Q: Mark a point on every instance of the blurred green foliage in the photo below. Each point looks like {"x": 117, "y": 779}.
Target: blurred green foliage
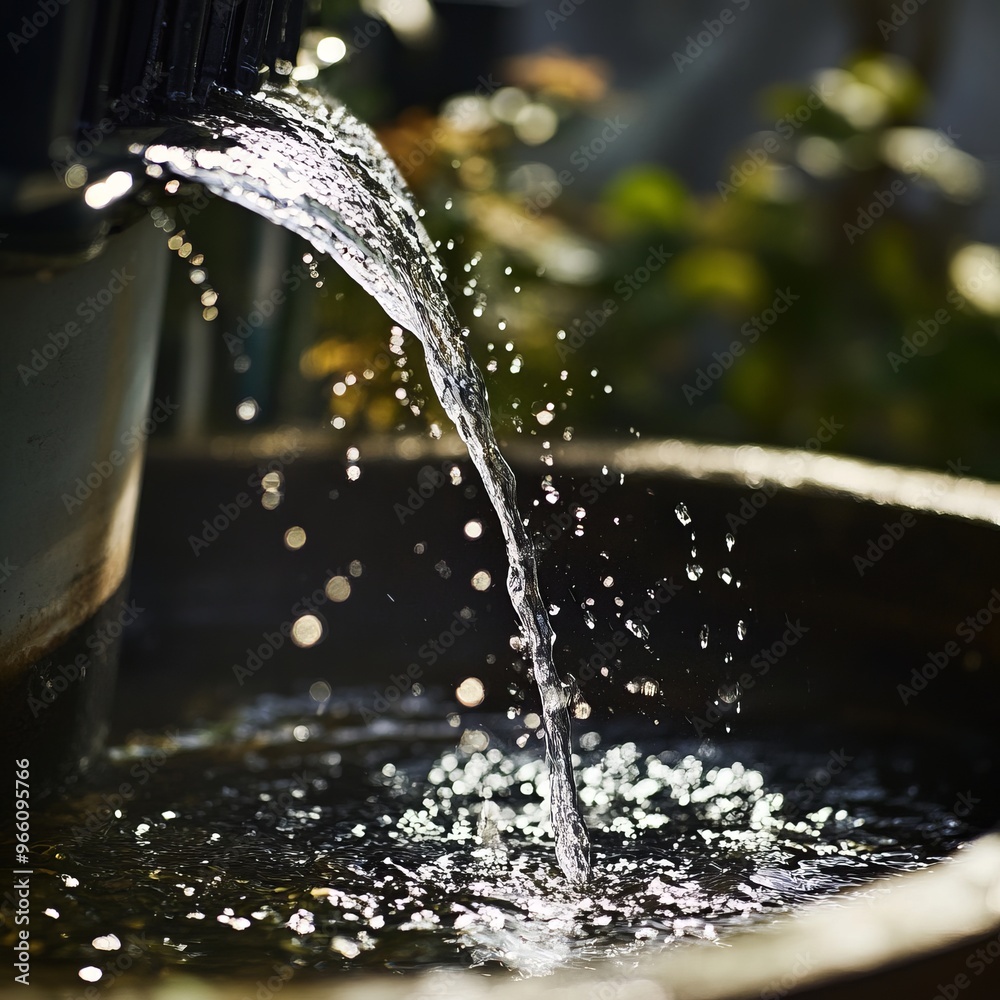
{"x": 840, "y": 206}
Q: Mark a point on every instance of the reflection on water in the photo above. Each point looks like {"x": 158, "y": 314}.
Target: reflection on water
{"x": 315, "y": 843}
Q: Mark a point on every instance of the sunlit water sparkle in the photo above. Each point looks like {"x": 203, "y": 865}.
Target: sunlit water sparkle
{"x": 317, "y": 841}
{"x": 307, "y": 164}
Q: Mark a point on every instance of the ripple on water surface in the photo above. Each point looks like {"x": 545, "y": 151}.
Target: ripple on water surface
{"x": 287, "y": 838}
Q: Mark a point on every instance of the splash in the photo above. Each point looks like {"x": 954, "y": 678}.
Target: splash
{"x": 308, "y": 165}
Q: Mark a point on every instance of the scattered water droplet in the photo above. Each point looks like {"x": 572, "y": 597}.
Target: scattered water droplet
{"x": 703, "y": 637}
{"x": 729, "y": 693}
{"x": 682, "y": 514}
{"x": 338, "y": 589}
{"x": 295, "y": 538}
{"x": 638, "y": 629}
{"x": 646, "y": 686}
{"x": 307, "y": 631}
{"x": 470, "y": 692}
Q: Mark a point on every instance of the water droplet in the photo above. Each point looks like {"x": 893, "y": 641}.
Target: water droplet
{"x": 682, "y": 514}
{"x": 637, "y": 629}
{"x": 247, "y": 409}
{"x": 694, "y": 571}
{"x": 470, "y": 692}
{"x": 730, "y": 542}
{"x": 307, "y": 631}
{"x": 703, "y": 637}
{"x": 646, "y": 686}
{"x": 725, "y": 575}
{"x": 295, "y": 537}
{"x": 320, "y": 691}
{"x": 482, "y": 580}
{"x": 473, "y": 529}
{"x": 741, "y": 630}
{"x": 729, "y": 693}
{"x": 338, "y": 589}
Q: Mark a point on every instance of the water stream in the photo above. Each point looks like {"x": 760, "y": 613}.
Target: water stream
{"x": 307, "y": 164}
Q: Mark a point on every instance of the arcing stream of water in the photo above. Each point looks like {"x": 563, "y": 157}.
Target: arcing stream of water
{"x": 308, "y": 165}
